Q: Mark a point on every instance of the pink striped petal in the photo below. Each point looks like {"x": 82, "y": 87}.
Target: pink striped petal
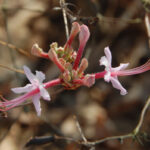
{"x": 40, "y": 76}
{"x": 24, "y": 89}
{"x": 116, "y": 84}
{"x": 121, "y": 67}
{"x": 44, "y": 93}
{"x": 108, "y": 55}
{"x": 31, "y": 77}
{"x": 104, "y": 61}
{"x": 36, "y": 102}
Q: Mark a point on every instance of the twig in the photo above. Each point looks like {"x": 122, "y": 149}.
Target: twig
{"x": 79, "y": 129}
{"x": 146, "y": 5}
{"x": 147, "y": 24}
{"x": 62, "y": 4}
{"x": 130, "y": 135}
{"x": 10, "y": 46}
{"x": 102, "y": 18}
{"x": 12, "y": 69}
{"x": 137, "y": 129}
{"x": 133, "y": 135}
{"x": 82, "y": 134}
{"x": 15, "y": 48}
{"x": 12, "y": 55}
{"x": 120, "y": 137}
{"x": 40, "y": 140}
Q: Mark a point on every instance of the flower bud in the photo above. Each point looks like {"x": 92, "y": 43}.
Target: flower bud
{"x": 53, "y": 56}
{"x": 54, "y": 45}
{"x": 36, "y": 50}
{"x": 66, "y": 76}
{"x": 83, "y": 66}
{"x": 89, "y": 80}
{"x": 74, "y": 31}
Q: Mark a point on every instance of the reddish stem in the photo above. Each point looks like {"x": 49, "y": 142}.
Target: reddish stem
{"x": 58, "y": 64}
{"x": 100, "y": 75}
{"x": 79, "y": 55}
{"x": 15, "y": 102}
{"x": 52, "y": 83}
{"x": 44, "y": 55}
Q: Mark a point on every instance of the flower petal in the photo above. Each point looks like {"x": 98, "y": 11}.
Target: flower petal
{"x": 108, "y": 55}
{"x": 104, "y": 61}
{"x": 107, "y": 76}
{"x": 121, "y": 67}
{"x": 24, "y": 89}
{"x": 116, "y": 84}
{"x": 40, "y": 76}
{"x": 31, "y": 77}
{"x": 44, "y": 93}
{"x": 36, "y": 102}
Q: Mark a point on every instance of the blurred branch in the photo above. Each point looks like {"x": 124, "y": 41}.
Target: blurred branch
{"x": 81, "y": 133}
{"x": 137, "y": 129}
{"x": 48, "y": 139}
{"x": 111, "y": 20}
{"x": 147, "y": 24}
{"x": 40, "y": 140}
{"x": 135, "y": 134}
{"x": 12, "y": 55}
{"x": 146, "y": 4}
{"x": 12, "y": 69}
{"x": 63, "y": 6}
{"x": 79, "y": 129}
{"x": 11, "y": 46}
{"x": 91, "y": 20}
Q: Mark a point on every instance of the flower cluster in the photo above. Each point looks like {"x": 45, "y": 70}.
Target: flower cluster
{"x": 72, "y": 69}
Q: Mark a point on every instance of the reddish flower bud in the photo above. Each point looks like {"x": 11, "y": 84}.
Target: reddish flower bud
{"x": 83, "y": 37}
{"x": 83, "y": 66}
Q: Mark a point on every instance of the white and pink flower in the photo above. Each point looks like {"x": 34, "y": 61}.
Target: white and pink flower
{"x": 106, "y": 61}
{"x": 36, "y": 82}
{"x": 111, "y": 74}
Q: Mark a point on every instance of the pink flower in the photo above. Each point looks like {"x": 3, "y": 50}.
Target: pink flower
{"x": 36, "y": 82}
{"x": 110, "y": 75}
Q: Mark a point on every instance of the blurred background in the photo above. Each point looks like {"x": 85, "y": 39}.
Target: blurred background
{"x": 101, "y": 110}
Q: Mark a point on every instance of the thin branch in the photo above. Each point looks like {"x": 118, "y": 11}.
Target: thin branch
{"x": 120, "y": 138}
{"x": 129, "y": 135}
{"x": 146, "y": 5}
{"x": 12, "y": 69}
{"x": 134, "y": 135}
{"x": 12, "y": 55}
{"x": 11, "y": 46}
{"x": 137, "y": 129}
{"x": 62, "y": 4}
{"x": 79, "y": 129}
{"x": 40, "y": 140}
{"x": 147, "y": 24}
{"x": 82, "y": 134}
{"x": 102, "y": 18}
